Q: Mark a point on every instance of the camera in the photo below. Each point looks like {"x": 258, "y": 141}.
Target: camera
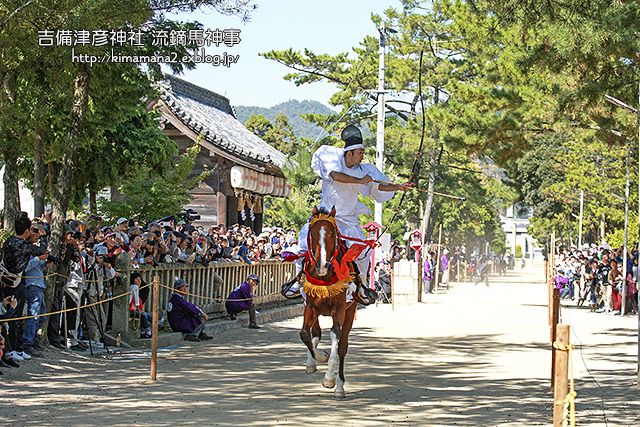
{"x": 54, "y": 259}
{"x": 188, "y": 215}
{"x": 153, "y": 261}
{"x": 157, "y": 233}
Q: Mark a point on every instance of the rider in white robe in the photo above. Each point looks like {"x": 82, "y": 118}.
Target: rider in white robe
{"x": 344, "y": 177}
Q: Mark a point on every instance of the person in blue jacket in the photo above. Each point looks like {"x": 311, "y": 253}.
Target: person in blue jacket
{"x": 184, "y": 316}
{"x": 241, "y": 299}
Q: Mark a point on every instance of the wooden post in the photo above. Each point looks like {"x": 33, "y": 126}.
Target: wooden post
{"x": 448, "y": 274}
{"x": 466, "y": 268}
{"x": 546, "y": 270}
{"x": 554, "y": 324}
{"x": 154, "y": 327}
{"x": 550, "y": 281}
{"x": 438, "y": 259}
{"x": 561, "y": 388}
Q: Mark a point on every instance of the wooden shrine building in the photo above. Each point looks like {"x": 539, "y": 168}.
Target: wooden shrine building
{"x": 227, "y": 147}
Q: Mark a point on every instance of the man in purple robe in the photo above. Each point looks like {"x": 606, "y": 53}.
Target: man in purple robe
{"x": 184, "y": 316}
{"x": 241, "y": 299}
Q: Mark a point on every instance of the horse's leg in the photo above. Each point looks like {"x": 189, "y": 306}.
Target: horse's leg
{"x": 329, "y": 380}
{"x": 310, "y": 320}
{"x": 343, "y": 346}
{"x": 316, "y": 334}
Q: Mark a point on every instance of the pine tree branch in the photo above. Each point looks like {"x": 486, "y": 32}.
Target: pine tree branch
{"x": 12, "y": 14}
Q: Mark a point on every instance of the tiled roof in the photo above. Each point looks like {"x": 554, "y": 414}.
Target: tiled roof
{"x": 207, "y": 112}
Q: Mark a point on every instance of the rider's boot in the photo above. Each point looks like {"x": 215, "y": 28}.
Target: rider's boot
{"x": 364, "y": 295}
{"x": 291, "y": 289}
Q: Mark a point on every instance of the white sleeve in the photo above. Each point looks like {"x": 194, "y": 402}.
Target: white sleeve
{"x": 327, "y": 159}
{"x": 371, "y": 189}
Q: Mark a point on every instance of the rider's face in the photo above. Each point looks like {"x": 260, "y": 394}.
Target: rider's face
{"x": 356, "y": 155}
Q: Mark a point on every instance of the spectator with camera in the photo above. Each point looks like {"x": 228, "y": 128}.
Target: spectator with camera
{"x": 184, "y": 251}
{"x": 137, "y": 253}
{"x": 62, "y": 271}
{"x": 245, "y": 248}
{"x": 112, "y": 246}
{"x": 74, "y": 290}
{"x": 16, "y": 254}
{"x": 34, "y": 292}
{"x": 121, "y": 231}
{"x": 99, "y": 276}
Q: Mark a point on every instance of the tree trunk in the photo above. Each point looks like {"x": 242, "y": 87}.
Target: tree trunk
{"x": 62, "y": 190}
{"x": 11, "y": 191}
{"x": 434, "y": 160}
{"x": 52, "y": 173}
{"x": 93, "y": 203}
{"x": 38, "y": 176}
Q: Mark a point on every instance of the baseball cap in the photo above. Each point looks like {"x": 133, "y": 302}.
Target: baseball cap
{"x": 178, "y": 283}
{"x": 121, "y": 220}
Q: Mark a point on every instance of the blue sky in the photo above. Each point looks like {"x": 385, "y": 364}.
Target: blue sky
{"x": 329, "y": 26}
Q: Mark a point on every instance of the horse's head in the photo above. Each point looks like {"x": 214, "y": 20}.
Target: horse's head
{"x": 323, "y": 240}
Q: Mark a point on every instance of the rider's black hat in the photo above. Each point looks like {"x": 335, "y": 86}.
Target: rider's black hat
{"x": 352, "y": 138}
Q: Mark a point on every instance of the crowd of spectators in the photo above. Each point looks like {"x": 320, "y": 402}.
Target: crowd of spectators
{"x": 85, "y": 273}
{"x": 595, "y": 275}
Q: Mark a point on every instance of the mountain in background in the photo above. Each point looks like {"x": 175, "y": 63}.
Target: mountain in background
{"x": 292, "y": 109}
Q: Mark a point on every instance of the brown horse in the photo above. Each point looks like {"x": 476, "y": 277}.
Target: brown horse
{"x": 326, "y": 281}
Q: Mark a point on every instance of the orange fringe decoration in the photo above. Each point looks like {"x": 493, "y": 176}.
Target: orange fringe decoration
{"x": 320, "y": 291}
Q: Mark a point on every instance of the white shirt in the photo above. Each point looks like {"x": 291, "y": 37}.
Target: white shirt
{"x": 344, "y": 196}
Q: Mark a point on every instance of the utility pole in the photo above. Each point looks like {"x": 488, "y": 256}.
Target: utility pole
{"x": 377, "y": 216}
{"x": 625, "y": 259}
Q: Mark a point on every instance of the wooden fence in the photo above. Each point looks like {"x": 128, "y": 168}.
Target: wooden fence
{"x": 273, "y": 274}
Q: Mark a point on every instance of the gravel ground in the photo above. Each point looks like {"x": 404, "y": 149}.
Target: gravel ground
{"x": 469, "y": 356}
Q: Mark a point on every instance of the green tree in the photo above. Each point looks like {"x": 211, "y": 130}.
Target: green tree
{"x": 293, "y": 212}
{"x": 149, "y": 195}
{"x": 279, "y": 134}
{"x": 518, "y": 253}
{"x": 424, "y": 63}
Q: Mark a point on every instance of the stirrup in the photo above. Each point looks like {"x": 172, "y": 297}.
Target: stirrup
{"x": 287, "y": 286}
{"x": 370, "y": 296}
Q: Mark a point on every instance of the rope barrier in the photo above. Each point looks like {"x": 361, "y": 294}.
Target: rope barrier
{"x": 74, "y": 308}
{"x": 219, "y": 299}
{"x": 14, "y": 276}
{"x": 569, "y": 402}
{"x": 116, "y": 297}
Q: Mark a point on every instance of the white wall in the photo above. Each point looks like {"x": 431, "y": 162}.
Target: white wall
{"x": 26, "y": 198}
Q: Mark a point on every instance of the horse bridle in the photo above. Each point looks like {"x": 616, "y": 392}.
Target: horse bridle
{"x": 332, "y": 220}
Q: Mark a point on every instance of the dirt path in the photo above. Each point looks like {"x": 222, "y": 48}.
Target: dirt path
{"x": 470, "y": 356}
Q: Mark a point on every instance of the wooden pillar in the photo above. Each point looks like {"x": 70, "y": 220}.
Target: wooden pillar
{"x": 120, "y": 322}
{"x": 222, "y": 208}
{"x": 154, "y": 327}
{"x": 561, "y": 379}
{"x": 437, "y": 277}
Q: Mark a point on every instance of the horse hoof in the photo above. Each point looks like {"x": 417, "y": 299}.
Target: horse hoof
{"x": 339, "y": 394}
{"x": 311, "y": 369}
{"x": 328, "y": 383}
{"x": 324, "y": 357}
